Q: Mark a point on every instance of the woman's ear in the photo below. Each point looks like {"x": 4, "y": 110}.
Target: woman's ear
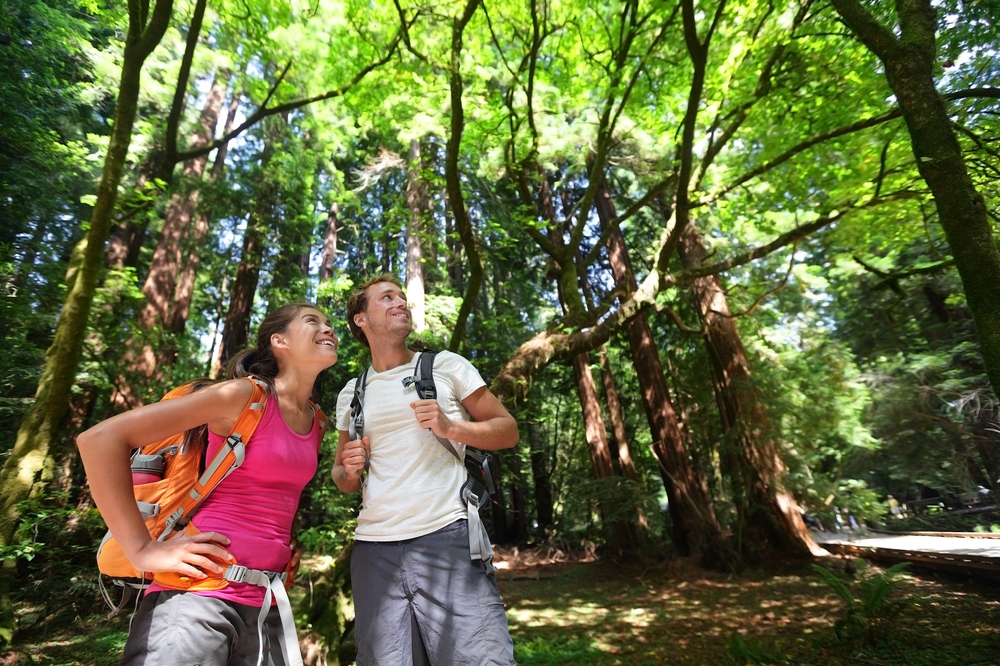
{"x": 278, "y": 341}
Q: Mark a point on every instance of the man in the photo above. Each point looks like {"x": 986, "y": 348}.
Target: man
{"x": 419, "y": 597}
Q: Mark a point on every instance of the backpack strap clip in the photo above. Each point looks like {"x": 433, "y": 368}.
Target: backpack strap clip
{"x": 273, "y": 584}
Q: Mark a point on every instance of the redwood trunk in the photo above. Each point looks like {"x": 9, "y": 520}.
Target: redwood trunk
{"x": 177, "y": 313}
{"x": 166, "y": 261}
{"x": 330, "y": 242}
{"x": 542, "y": 479}
{"x": 418, "y": 202}
{"x": 696, "y": 530}
{"x": 237, "y": 328}
{"x": 617, "y": 417}
{"x": 625, "y": 464}
{"x": 750, "y": 457}
{"x": 619, "y": 534}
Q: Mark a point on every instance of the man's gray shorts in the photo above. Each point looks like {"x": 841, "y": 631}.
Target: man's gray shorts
{"x": 184, "y": 629}
{"x": 424, "y": 601}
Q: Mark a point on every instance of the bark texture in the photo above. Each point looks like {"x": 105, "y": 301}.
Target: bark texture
{"x": 750, "y": 456}
{"x": 177, "y": 312}
{"x": 620, "y": 536}
{"x": 418, "y": 201}
{"x": 623, "y": 452}
{"x": 236, "y": 332}
{"x": 696, "y": 530}
{"x": 330, "y": 239}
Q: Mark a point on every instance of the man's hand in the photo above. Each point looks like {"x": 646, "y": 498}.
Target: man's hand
{"x": 356, "y": 454}
{"x": 187, "y": 555}
{"x": 430, "y": 417}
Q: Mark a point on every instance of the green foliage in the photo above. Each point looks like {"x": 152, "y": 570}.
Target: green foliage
{"x": 859, "y": 342}
{"x": 553, "y": 651}
{"x": 54, "y": 551}
{"x": 869, "y": 608}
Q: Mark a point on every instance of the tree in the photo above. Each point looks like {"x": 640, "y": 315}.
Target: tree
{"x": 910, "y": 61}
{"x": 30, "y": 460}
{"x": 752, "y": 460}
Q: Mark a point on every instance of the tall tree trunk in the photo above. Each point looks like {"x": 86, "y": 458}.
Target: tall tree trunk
{"x": 166, "y": 261}
{"x": 696, "y": 530}
{"x": 620, "y": 536}
{"x": 750, "y": 457}
{"x": 617, "y": 417}
{"x": 180, "y": 307}
{"x": 237, "y": 329}
{"x": 418, "y": 201}
{"x": 28, "y": 467}
{"x": 909, "y": 62}
{"x": 454, "y": 262}
{"x": 614, "y": 515}
{"x": 542, "y": 479}
{"x": 626, "y": 466}
{"x": 330, "y": 242}
{"x": 453, "y": 180}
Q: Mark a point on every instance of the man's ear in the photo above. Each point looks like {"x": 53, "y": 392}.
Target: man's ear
{"x": 360, "y": 319}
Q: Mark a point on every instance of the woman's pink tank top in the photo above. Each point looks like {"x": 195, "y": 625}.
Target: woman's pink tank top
{"x": 256, "y": 504}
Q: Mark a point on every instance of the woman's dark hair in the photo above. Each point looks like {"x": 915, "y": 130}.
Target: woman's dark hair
{"x": 260, "y": 361}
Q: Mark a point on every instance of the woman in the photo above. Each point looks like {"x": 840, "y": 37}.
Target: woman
{"x": 249, "y": 515}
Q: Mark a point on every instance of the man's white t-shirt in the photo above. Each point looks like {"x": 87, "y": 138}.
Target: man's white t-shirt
{"x": 413, "y": 482}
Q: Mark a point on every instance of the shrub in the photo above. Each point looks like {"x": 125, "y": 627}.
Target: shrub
{"x": 869, "y": 615}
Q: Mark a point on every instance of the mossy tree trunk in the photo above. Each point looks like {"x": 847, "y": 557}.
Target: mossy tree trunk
{"x": 29, "y": 466}
{"x": 909, "y": 61}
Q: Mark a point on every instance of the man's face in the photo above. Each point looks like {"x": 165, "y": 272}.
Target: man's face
{"x": 386, "y": 314}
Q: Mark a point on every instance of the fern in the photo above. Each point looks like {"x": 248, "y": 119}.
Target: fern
{"x": 869, "y": 614}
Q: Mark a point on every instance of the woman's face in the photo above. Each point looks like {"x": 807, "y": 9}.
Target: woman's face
{"x": 309, "y": 339}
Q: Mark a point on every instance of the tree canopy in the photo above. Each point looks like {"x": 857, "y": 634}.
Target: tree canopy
{"x": 722, "y": 259}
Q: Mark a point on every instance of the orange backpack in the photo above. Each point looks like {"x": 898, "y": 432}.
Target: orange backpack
{"x": 168, "y": 503}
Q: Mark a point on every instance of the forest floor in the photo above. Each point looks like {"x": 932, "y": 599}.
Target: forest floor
{"x": 580, "y": 610}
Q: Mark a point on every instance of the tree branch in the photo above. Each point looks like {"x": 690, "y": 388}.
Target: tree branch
{"x": 453, "y": 181}
{"x": 872, "y": 34}
{"x": 264, "y": 112}
{"x": 180, "y": 92}
{"x": 795, "y": 150}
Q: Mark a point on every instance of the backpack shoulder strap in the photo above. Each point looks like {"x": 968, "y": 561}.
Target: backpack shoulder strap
{"x": 424, "y": 375}
{"x": 229, "y": 457}
{"x": 427, "y": 390}
{"x": 321, "y": 422}
{"x": 356, "y": 429}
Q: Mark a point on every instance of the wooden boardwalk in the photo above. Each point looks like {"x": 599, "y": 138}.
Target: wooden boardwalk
{"x": 956, "y": 551}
